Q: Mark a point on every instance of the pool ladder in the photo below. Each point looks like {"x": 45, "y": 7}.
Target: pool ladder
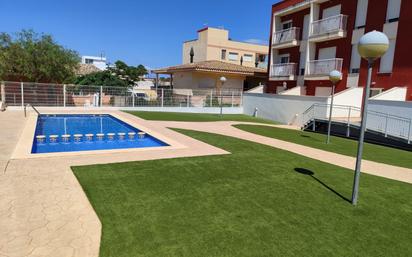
{"x": 34, "y": 108}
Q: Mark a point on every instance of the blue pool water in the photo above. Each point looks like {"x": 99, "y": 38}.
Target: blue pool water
{"x": 87, "y": 124}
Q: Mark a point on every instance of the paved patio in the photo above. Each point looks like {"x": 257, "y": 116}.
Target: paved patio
{"x": 44, "y": 211}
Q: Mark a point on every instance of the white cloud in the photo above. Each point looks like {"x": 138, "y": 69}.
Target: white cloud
{"x": 256, "y": 41}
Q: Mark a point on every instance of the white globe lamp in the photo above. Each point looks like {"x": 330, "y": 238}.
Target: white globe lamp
{"x": 373, "y": 45}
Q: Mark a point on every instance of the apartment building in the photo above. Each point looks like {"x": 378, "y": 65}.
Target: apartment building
{"x": 310, "y": 38}
{"x": 99, "y": 62}
{"x": 214, "y": 44}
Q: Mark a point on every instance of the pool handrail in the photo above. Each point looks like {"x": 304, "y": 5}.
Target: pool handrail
{"x": 34, "y": 108}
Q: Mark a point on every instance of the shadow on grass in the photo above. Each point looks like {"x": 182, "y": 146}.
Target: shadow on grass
{"x": 311, "y": 174}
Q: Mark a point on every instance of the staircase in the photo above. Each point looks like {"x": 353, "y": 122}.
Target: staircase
{"x": 381, "y": 127}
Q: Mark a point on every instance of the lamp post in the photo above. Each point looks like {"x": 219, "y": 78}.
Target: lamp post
{"x": 371, "y": 46}
{"x": 222, "y": 80}
{"x": 335, "y": 76}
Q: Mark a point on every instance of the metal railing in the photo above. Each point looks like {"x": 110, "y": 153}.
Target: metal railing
{"x": 324, "y": 67}
{"x": 387, "y": 124}
{"x": 285, "y": 36}
{"x": 329, "y": 25}
{"x": 57, "y": 95}
{"x": 34, "y": 108}
{"x": 283, "y": 69}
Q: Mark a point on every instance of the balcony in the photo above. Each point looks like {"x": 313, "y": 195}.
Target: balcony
{"x": 320, "y": 69}
{"x": 283, "y": 71}
{"x": 328, "y": 29}
{"x": 286, "y": 38}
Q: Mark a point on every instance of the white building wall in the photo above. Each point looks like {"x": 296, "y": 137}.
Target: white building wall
{"x": 294, "y": 91}
{"x": 286, "y": 109}
{"x": 393, "y": 94}
{"x": 98, "y": 62}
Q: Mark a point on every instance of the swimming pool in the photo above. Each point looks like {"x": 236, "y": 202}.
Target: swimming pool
{"x": 72, "y": 133}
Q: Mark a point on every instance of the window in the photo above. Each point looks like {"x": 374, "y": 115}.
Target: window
{"x": 361, "y": 13}
{"x": 394, "y": 9}
{"x": 248, "y": 58}
{"x": 284, "y": 58}
{"x": 261, "y": 57}
{"x": 88, "y": 61}
{"x": 331, "y": 11}
{"x": 355, "y": 60}
{"x": 388, "y": 58}
{"x": 233, "y": 56}
{"x": 223, "y": 56}
{"x": 286, "y": 25}
{"x": 327, "y": 53}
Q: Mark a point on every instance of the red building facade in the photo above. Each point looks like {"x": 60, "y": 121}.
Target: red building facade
{"x": 310, "y": 38}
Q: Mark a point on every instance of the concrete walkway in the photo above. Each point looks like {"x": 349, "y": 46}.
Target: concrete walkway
{"x": 44, "y": 211}
{"x": 226, "y": 129}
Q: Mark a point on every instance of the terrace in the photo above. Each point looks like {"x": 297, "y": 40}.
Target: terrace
{"x": 203, "y": 198}
{"x": 328, "y": 29}
{"x": 283, "y": 71}
{"x": 320, "y": 69}
{"x": 286, "y": 38}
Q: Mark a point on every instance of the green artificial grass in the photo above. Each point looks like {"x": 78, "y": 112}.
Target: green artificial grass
{"x": 198, "y": 117}
{"x": 258, "y": 201}
{"x": 339, "y": 145}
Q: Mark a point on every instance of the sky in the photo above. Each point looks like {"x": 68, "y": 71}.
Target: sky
{"x": 138, "y": 32}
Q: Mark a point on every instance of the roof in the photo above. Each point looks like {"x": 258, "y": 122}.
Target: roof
{"x": 213, "y": 66}
{"x": 84, "y": 69}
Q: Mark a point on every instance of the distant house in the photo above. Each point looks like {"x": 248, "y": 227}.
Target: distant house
{"x": 213, "y": 55}
{"x": 214, "y": 44}
{"x": 207, "y": 74}
{"x": 99, "y": 62}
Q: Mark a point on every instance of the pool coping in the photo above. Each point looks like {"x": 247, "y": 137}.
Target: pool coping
{"x": 25, "y": 143}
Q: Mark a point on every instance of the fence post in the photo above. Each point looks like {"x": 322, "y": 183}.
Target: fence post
{"x": 133, "y": 99}
{"x": 22, "y": 93}
{"x": 163, "y": 95}
{"x": 64, "y": 95}
{"x": 386, "y": 125}
{"x": 348, "y": 128}
{"x": 314, "y": 119}
{"x": 241, "y": 99}
{"x": 101, "y": 96}
{"x": 232, "y": 98}
{"x": 188, "y": 99}
{"x": 410, "y": 130}
{"x": 3, "y": 93}
{"x": 211, "y": 98}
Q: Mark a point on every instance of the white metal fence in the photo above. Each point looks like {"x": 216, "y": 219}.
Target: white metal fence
{"x": 283, "y": 69}
{"x": 329, "y": 25}
{"x": 285, "y": 36}
{"x": 324, "y": 67}
{"x": 57, "y": 95}
{"x": 389, "y": 125}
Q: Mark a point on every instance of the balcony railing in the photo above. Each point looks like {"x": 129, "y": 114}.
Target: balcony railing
{"x": 329, "y": 25}
{"x": 283, "y": 70}
{"x": 324, "y": 67}
{"x": 285, "y": 36}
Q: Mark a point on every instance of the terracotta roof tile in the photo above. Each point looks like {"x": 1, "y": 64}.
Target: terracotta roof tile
{"x": 212, "y": 66}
